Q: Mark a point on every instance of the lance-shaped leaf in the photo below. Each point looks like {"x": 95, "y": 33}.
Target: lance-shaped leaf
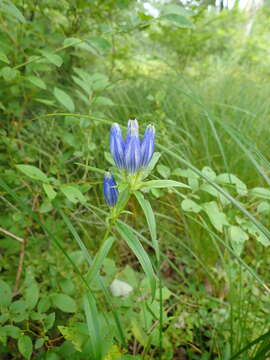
{"x": 137, "y": 248}
{"x": 99, "y": 258}
{"x": 150, "y": 218}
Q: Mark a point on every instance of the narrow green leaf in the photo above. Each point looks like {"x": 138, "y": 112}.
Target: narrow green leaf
{"x": 163, "y": 184}
{"x": 33, "y": 172}
{"x": 140, "y": 253}
{"x": 49, "y": 191}
{"x": 64, "y": 99}
{"x": 92, "y": 319}
{"x": 37, "y": 82}
{"x": 100, "y": 171}
{"x": 150, "y": 218}
{"x": 99, "y": 258}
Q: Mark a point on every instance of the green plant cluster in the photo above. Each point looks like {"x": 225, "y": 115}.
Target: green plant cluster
{"x": 68, "y": 70}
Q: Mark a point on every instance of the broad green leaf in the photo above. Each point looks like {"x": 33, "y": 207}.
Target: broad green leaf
{"x": 46, "y": 206}
{"x": 217, "y": 217}
{"x": 53, "y": 58}
{"x": 241, "y": 188}
{"x": 67, "y": 286}
{"x": 10, "y": 330}
{"x": 73, "y": 335}
{"x": 64, "y": 99}
{"x": 139, "y": 252}
{"x": 209, "y": 173}
{"x": 102, "y": 100}
{"x": 238, "y": 237}
{"x": 73, "y": 194}
{"x": 190, "y": 206}
{"x": 18, "y": 306}
{"x": 9, "y": 8}
{"x": 33, "y": 172}
{"x": 256, "y": 233}
{"x": 39, "y": 343}
{"x": 37, "y": 82}
{"x": 25, "y": 346}
{"x": 101, "y": 44}
{"x": 49, "y": 191}
{"x": 178, "y": 20}
{"x": 9, "y": 73}
{"x": 214, "y": 192}
{"x": 99, "y": 258}
{"x": 175, "y": 9}
{"x": 44, "y": 304}
{"x": 32, "y": 295}
{"x": 163, "y": 184}
{"x": 5, "y": 293}
{"x": 72, "y": 41}
{"x": 150, "y": 218}
{"x": 49, "y": 321}
{"x": 263, "y": 207}
{"x": 3, "y": 57}
{"x": 86, "y": 86}
{"x": 164, "y": 171}
{"x": 261, "y": 193}
{"x": 64, "y": 302}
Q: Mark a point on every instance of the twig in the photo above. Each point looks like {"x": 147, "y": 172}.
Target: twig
{"x": 20, "y": 267}
{"x": 7, "y": 233}
{"x": 21, "y": 259}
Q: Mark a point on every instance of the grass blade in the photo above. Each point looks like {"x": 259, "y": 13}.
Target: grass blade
{"x": 140, "y": 253}
{"x": 99, "y": 258}
{"x": 150, "y": 218}
{"x": 92, "y": 319}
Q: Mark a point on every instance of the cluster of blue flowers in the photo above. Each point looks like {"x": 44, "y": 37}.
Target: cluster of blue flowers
{"x": 131, "y": 155}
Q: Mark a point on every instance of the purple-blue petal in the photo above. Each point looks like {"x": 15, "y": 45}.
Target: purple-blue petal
{"x": 117, "y": 146}
{"x": 147, "y": 145}
{"x": 110, "y": 189}
{"x": 133, "y": 154}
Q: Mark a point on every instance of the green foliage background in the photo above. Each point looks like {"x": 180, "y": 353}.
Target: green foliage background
{"x": 68, "y": 69}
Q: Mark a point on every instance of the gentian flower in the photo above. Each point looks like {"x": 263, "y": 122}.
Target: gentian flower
{"x": 117, "y": 146}
{"x": 110, "y": 190}
{"x": 147, "y": 145}
{"x": 132, "y": 148}
{"x": 134, "y": 125}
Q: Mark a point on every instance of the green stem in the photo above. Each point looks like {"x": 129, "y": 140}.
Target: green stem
{"x": 160, "y": 309}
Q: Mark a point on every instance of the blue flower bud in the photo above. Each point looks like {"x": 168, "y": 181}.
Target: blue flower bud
{"x": 132, "y": 124}
{"x": 117, "y": 146}
{"x": 110, "y": 189}
{"x": 132, "y": 149}
{"x": 148, "y": 145}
